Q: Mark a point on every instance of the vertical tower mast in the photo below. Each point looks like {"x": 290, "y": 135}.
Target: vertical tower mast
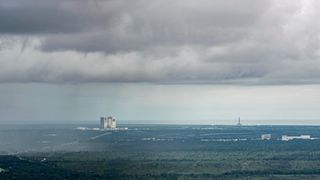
{"x": 239, "y": 122}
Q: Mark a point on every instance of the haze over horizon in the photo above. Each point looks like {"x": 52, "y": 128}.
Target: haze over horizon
{"x": 165, "y": 61}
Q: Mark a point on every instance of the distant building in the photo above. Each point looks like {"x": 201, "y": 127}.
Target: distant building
{"x": 108, "y": 123}
{"x": 265, "y": 136}
{"x": 239, "y": 122}
{"x": 2, "y": 170}
{"x": 288, "y": 138}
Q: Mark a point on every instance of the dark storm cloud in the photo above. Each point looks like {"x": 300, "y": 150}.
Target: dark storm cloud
{"x": 244, "y": 42}
{"x": 43, "y": 17}
{"x": 112, "y": 26}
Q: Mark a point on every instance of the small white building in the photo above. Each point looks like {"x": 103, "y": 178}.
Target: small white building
{"x": 2, "y": 170}
{"x": 108, "y": 123}
{"x": 265, "y": 136}
{"x": 288, "y": 138}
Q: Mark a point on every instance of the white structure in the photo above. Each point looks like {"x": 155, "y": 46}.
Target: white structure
{"x": 108, "y": 123}
{"x": 2, "y": 170}
{"x": 265, "y": 136}
{"x": 287, "y": 138}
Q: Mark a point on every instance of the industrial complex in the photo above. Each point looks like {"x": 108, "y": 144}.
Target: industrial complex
{"x": 288, "y": 138}
{"x": 108, "y": 122}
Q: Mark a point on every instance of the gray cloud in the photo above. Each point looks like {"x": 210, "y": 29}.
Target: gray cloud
{"x": 238, "y": 42}
{"x": 113, "y": 26}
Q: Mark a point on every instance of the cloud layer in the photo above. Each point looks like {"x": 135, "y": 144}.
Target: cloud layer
{"x": 237, "y": 42}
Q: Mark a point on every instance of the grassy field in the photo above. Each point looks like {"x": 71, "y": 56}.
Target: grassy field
{"x": 168, "y": 152}
{"x": 164, "y": 165}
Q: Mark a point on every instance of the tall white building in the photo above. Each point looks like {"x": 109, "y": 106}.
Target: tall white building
{"x": 108, "y": 122}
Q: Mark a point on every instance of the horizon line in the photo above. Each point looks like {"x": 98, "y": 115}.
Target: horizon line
{"x": 148, "y": 123}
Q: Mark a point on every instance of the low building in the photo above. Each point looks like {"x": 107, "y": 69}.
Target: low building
{"x": 2, "y": 170}
{"x": 108, "y": 123}
{"x": 288, "y": 138}
{"x": 265, "y": 136}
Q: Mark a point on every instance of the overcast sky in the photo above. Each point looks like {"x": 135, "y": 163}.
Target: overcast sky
{"x": 160, "y": 61}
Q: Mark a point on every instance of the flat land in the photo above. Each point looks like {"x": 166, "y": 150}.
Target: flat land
{"x": 167, "y": 152}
